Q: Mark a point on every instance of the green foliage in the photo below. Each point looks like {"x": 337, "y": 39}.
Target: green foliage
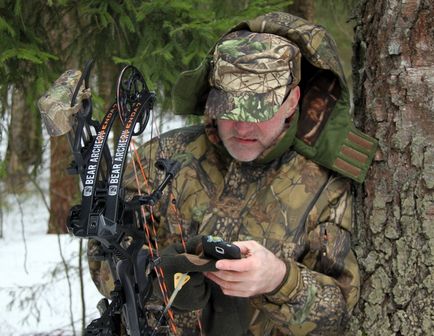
{"x": 4, "y": 26}
{"x": 335, "y": 16}
{"x": 22, "y": 53}
{"x": 175, "y": 35}
{"x": 26, "y": 53}
{"x": 40, "y": 39}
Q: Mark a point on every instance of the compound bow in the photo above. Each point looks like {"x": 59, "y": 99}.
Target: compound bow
{"x": 104, "y": 214}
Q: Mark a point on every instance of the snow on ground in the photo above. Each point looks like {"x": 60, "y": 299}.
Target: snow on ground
{"x": 35, "y": 298}
{"x": 34, "y": 292}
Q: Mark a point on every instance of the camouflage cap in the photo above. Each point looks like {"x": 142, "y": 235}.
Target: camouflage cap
{"x": 251, "y": 75}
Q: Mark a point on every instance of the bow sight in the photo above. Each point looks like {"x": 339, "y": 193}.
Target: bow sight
{"x": 103, "y": 214}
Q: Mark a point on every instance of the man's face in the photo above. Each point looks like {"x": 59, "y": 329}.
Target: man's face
{"x": 245, "y": 141}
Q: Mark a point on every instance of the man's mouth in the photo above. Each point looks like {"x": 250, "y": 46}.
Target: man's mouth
{"x": 245, "y": 140}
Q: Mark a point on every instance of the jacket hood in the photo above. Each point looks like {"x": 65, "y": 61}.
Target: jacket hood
{"x": 325, "y": 131}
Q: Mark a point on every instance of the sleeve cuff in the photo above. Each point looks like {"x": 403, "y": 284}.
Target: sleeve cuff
{"x": 286, "y": 288}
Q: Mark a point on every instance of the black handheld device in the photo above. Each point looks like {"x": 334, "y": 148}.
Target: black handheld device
{"x": 216, "y": 248}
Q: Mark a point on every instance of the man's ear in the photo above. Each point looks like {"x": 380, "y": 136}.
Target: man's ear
{"x": 291, "y": 102}
{"x": 294, "y": 97}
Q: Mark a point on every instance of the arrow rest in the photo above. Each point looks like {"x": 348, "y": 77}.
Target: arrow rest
{"x": 170, "y": 168}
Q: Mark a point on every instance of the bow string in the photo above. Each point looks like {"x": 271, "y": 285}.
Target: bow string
{"x": 122, "y": 227}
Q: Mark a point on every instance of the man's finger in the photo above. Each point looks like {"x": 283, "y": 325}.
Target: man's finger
{"x": 232, "y": 286}
{"x": 232, "y": 276}
{"x": 247, "y": 247}
{"x": 236, "y": 265}
{"x": 243, "y": 248}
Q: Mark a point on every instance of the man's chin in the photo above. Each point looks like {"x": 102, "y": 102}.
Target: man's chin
{"x": 243, "y": 152}
{"x": 243, "y": 155}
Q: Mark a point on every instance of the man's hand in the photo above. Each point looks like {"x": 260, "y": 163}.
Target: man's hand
{"x": 259, "y": 272}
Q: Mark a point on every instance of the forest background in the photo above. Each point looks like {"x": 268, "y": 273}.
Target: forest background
{"x": 386, "y": 48}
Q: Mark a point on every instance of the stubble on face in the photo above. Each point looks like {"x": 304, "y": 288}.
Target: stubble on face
{"x": 242, "y": 140}
{"x": 246, "y": 141}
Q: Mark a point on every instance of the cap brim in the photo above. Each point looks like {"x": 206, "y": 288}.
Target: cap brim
{"x": 244, "y": 106}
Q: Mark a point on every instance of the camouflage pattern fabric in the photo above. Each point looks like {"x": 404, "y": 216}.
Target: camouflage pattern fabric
{"x": 251, "y": 75}
{"x": 299, "y": 210}
{"x": 326, "y": 134}
{"x": 99, "y": 270}
{"x": 292, "y": 206}
{"x": 55, "y": 104}
{"x": 316, "y": 46}
{"x": 314, "y": 41}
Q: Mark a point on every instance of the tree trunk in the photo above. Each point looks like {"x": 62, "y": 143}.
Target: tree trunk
{"x": 303, "y": 8}
{"x": 107, "y": 74}
{"x": 394, "y": 234}
{"x": 24, "y": 142}
{"x": 63, "y": 187}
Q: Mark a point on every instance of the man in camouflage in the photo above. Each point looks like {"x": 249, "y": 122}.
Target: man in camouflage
{"x": 261, "y": 172}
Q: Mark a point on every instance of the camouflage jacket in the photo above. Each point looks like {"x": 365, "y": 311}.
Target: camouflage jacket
{"x": 292, "y": 206}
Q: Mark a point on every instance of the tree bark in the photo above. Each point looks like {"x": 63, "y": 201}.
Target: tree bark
{"x": 107, "y": 75}
{"x": 394, "y": 238}
{"x": 24, "y": 142}
{"x": 63, "y": 187}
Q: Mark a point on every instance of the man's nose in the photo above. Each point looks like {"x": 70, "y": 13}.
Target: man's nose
{"x": 243, "y": 127}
